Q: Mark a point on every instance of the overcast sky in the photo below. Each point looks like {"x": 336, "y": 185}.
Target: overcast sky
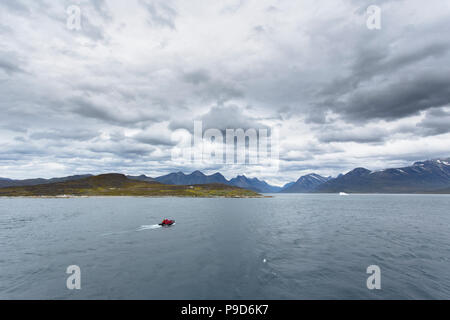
{"x": 108, "y": 97}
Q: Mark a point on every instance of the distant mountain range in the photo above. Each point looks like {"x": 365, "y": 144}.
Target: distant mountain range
{"x": 198, "y": 177}
{"x": 176, "y": 178}
{"x": 253, "y": 184}
{"x": 431, "y": 176}
{"x": 305, "y": 184}
{"x": 4, "y": 182}
{"x": 115, "y": 184}
{"x": 424, "y": 176}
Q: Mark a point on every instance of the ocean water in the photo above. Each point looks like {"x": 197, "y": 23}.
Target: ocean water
{"x": 293, "y": 246}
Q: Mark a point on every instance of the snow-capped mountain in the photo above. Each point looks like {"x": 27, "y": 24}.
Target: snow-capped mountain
{"x": 422, "y": 176}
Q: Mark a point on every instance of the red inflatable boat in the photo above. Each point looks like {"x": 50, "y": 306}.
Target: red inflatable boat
{"x": 167, "y": 222}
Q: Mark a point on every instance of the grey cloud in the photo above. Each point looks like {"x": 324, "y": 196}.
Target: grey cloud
{"x": 401, "y": 99}
{"x": 160, "y": 14}
{"x": 196, "y": 77}
{"x": 229, "y": 117}
{"x": 102, "y": 8}
{"x": 375, "y": 61}
{"x": 222, "y": 92}
{"x": 109, "y": 113}
{"x": 316, "y": 115}
{"x": 325, "y": 76}
{"x": 359, "y": 135}
{"x": 309, "y": 152}
{"x": 258, "y": 29}
{"x": 220, "y": 117}
{"x": 123, "y": 150}
{"x": 93, "y": 31}
{"x": 362, "y": 5}
{"x": 16, "y": 6}
{"x": 434, "y": 50}
{"x": 285, "y": 112}
{"x": 15, "y": 126}
{"x": 5, "y": 29}
{"x": 21, "y": 150}
{"x": 232, "y": 7}
{"x": 154, "y": 139}
{"x": 10, "y": 63}
{"x": 436, "y": 121}
{"x": 386, "y": 75}
{"x": 210, "y": 89}
{"x": 74, "y": 134}
{"x": 101, "y": 88}
{"x": 187, "y": 124}
{"x": 91, "y": 110}
{"x": 93, "y": 88}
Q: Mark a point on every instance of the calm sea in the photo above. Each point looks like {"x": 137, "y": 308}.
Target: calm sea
{"x": 294, "y": 246}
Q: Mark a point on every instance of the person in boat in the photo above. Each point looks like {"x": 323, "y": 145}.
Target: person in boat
{"x": 167, "y": 222}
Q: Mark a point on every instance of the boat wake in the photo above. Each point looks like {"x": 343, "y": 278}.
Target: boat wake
{"x": 115, "y": 233}
{"x": 141, "y": 228}
{"x": 148, "y": 227}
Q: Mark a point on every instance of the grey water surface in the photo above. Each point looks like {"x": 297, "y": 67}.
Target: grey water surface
{"x": 290, "y": 246}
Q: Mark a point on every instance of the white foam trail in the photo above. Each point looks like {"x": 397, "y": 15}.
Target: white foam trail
{"x": 148, "y": 227}
{"x": 113, "y": 233}
{"x": 141, "y": 228}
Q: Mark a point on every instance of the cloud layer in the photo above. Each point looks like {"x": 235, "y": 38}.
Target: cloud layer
{"x": 108, "y": 97}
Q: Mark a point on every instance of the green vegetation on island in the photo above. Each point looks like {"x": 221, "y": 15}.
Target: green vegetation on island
{"x": 119, "y": 185}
